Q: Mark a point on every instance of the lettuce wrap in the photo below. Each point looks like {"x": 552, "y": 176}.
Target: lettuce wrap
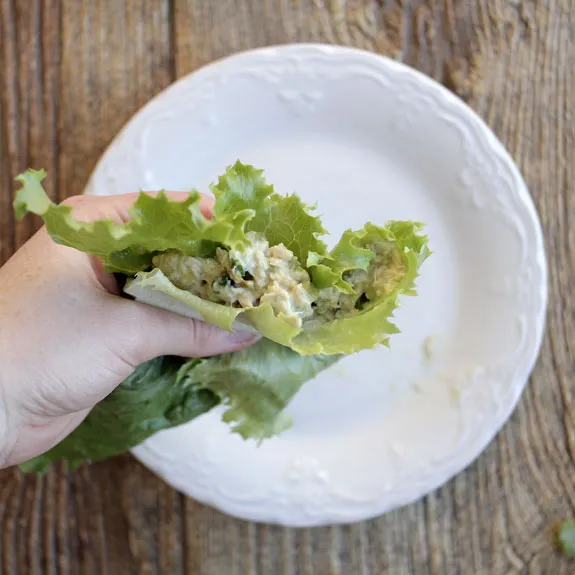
{"x": 259, "y": 264}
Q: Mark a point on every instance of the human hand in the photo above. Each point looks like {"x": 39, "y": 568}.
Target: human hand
{"x": 67, "y": 339}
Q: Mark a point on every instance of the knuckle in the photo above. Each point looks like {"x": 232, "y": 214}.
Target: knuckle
{"x": 74, "y": 201}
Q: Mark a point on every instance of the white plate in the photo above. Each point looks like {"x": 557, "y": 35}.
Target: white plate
{"x": 369, "y": 139}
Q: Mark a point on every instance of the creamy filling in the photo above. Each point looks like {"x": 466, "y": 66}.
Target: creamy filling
{"x": 259, "y": 274}
{"x": 383, "y": 274}
{"x": 272, "y": 274}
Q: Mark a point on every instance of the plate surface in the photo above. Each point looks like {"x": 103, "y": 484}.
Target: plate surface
{"x": 368, "y": 139}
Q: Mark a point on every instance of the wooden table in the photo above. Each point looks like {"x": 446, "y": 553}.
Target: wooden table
{"x": 72, "y": 72}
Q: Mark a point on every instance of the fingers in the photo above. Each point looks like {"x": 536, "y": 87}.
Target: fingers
{"x": 117, "y": 208}
{"x": 107, "y": 281}
{"x": 151, "y": 332}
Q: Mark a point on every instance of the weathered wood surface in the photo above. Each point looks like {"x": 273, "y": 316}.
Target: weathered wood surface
{"x": 72, "y": 72}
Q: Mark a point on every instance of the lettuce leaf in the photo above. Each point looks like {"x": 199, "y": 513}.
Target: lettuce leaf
{"x": 372, "y": 324}
{"x": 157, "y": 224}
{"x": 244, "y": 203}
{"x": 347, "y": 255}
{"x": 566, "y": 538}
{"x": 280, "y": 219}
{"x": 255, "y": 385}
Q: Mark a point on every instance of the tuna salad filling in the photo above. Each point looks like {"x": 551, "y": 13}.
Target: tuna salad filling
{"x": 384, "y": 273}
{"x": 272, "y": 274}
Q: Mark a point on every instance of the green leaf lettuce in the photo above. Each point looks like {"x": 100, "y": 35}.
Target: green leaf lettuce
{"x": 246, "y": 203}
{"x": 566, "y": 538}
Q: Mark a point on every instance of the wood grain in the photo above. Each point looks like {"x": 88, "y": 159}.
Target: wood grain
{"x": 73, "y": 72}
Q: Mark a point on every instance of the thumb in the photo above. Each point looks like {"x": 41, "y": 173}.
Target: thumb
{"x": 146, "y": 331}
{"x": 150, "y": 332}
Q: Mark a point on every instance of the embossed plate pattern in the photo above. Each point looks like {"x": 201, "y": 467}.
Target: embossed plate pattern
{"x": 368, "y": 139}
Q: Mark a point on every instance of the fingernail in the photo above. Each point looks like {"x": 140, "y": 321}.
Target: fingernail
{"x": 244, "y": 337}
